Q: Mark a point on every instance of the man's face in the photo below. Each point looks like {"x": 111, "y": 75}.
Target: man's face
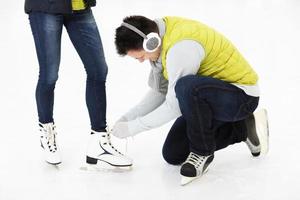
{"x": 142, "y": 55}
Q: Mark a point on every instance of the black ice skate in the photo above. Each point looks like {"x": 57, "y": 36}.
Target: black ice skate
{"x": 194, "y": 167}
{"x": 258, "y": 133}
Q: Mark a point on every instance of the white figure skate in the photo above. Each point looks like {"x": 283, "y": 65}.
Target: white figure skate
{"x": 101, "y": 154}
{"x": 48, "y": 143}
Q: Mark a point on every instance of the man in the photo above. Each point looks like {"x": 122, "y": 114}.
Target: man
{"x": 201, "y": 79}
{"x": 47, "y": 19}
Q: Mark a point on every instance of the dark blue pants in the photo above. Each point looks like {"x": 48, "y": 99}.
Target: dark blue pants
{"x": 83, "y": 32}
{"x": 213, "y": 117}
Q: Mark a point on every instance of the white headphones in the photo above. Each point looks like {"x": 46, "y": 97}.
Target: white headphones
{"x": 151, "y": 41}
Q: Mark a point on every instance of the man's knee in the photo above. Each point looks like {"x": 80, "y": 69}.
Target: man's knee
{"x": 182, "y": 85}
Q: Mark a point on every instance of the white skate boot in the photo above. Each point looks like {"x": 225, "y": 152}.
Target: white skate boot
{"x": 194, "y": 167}
{"x": 101, "y": 151}
{"x": 48, "y": 143}
{"x": 258, "y": 133}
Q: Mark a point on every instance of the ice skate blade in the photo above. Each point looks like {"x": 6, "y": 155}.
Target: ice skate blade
{"x": 105, "y": 167}
{"x": 185, "y": 180}
{"x": 95, "y": 161}
{"x": 261, "y": 120}
{"x": 51, "y": 166}
{"x": 55, "y": 165}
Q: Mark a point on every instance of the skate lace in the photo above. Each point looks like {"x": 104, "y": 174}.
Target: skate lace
{"x": 50, "y": 136}
{"x": 108, "y": 142}
{"x": 195, "y": 159}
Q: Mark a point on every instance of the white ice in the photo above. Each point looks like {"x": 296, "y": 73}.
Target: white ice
{"x": 267, "y": 33}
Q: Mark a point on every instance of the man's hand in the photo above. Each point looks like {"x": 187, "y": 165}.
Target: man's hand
{"x": 122, "y": 119}
{"x": 121, "y": 130}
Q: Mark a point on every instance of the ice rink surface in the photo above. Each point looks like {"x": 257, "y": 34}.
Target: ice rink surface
{"x": 265, "y": 31}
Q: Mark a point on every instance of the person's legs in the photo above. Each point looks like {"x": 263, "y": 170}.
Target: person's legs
{"x": 85, "y": 37}
{"x": 214, "y": 111}
{"x": 228, "y": 133}
{"x": 176, "y": 147}
{"x": 46, "y": 30}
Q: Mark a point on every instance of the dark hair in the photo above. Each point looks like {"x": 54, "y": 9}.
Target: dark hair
{"x": 126, "y": 39}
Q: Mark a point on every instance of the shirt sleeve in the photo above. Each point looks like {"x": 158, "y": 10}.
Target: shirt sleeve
{"x": 183, "y": 59}
{"x": 150, "y": 102}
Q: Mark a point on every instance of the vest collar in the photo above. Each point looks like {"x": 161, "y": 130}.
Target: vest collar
{"x": 161, "y": 30}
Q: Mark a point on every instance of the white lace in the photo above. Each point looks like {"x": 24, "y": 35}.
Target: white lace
{"x": 195, "y": 159}
{"x": 50, "y": 135}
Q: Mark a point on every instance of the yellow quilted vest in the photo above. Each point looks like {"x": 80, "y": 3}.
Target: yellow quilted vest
{"x": 78, "y": 5}
{"x": 222, "y": 60}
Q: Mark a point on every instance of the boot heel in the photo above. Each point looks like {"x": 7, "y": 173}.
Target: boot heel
{"x": 91, "y": 161}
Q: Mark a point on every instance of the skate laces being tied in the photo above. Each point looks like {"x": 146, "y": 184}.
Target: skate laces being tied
{"x": 108, "y": 141}
{"x": 126, "y": 144}
{"x": 50, "y": 135}
{"x": 195, "y": 159}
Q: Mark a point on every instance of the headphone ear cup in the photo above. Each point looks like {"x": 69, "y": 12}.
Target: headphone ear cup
{"x": 152, "y": 42}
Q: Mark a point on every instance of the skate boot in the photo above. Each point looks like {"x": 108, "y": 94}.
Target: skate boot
{"x": 48, "y": 143}
{"x": 258, "y": 133}
{"x": 194, "y": 167}
{"x": 101, "y": 150}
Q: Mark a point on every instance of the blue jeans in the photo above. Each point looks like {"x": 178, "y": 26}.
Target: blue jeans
{"x": 213, "y": 117}
{"x": 83, "y": 32}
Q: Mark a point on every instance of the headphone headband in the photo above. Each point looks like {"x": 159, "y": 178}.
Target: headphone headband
{"x": 129, "y": 26}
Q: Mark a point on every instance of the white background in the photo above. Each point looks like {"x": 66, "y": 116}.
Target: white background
{"x": 266, "y": 32}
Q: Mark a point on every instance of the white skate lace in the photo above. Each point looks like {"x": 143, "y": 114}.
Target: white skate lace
{"x": 50, "y": 136}
{"x": 195, "y": 159}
